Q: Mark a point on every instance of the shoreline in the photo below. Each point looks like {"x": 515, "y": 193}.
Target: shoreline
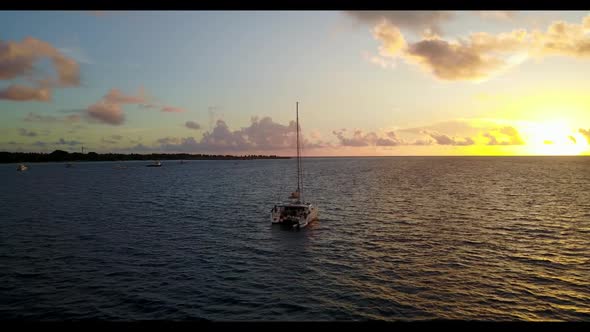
{"x": 63, "y": 156}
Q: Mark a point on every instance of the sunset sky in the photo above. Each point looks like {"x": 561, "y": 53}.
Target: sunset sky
{"x": 368, "y": 83}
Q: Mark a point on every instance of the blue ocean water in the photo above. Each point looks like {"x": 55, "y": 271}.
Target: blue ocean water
{"x": 398, "y": 238}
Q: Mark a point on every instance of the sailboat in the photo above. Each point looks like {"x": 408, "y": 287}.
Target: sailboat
{"x": 156, "y": 163}
{"x": 296, "y": 213}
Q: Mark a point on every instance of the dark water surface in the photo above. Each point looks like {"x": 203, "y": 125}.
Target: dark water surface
{"x": 398, "y": 238}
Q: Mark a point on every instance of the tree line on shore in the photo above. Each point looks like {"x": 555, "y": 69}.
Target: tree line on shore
{"x": 60, "y": 155}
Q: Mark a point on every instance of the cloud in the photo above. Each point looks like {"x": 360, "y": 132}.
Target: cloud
{"x": 390, "y": 140}
{"x": 115, "y": 96}
{"x": 263, "y": 134}
{"x": 513, "y": 134}
{"x": 443, "y": 139}
{"x": 61, "y": 141}
{"x": 18, "y": 92}
{"x": 586, "y": 133}
{"x": 168, "y": 140}
{"x": 478, "y": 57}
{"x": 392, "y": 40}
{"x": 163, "y": 108}
{"x": 359, "y": 139}
{"x": 170, "y": 109}
{"x": 24, "y": 132}
{"x": 108, "y": 110}
{"x": 422, "y": 142}
{"x": 459, "y": 132}
{"x": 32, "y": 117}
{"x": 17, "y": 60}
{"x": 510, "y": 133}
{"x": 452, "y": 61}
{"x": 417, "y": 21}
{"x": 481, "y": 55}
{"x": 474, "y": 58}
{"x": 108, "y": 113}
{"x": 379, "y": 60}
{"x": 565, "y": 39}
{"x": 192, "y": 125}
{"x": 496, "y": 15}
{"x": 456, "y": 127}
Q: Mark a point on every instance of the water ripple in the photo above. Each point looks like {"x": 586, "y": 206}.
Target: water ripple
{"x": 398, "y": 239}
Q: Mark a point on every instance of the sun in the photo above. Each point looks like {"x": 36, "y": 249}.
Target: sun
{"x": 554, "y": 138}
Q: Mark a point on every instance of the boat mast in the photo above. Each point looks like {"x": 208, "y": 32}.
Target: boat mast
{"x": 299, "y": 182}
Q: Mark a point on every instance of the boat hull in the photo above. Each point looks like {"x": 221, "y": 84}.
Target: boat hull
{"x": 279, "y": 216}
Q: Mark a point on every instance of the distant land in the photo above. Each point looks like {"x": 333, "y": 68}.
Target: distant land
{"x": 60, "y": 155}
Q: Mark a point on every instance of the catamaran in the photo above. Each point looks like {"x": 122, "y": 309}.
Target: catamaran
{"x": 156, "y": 163}
{"x": 297, "y": 213}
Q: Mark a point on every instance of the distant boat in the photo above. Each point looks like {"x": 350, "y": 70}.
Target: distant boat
{"x": 22, "y": 168}
{"x": 183, "y": 162}
{"x": 69, "y": 165}
{"x": 297, "y": 214}
{"x": 119, "y": 166}
{"x": 156, "y": 163}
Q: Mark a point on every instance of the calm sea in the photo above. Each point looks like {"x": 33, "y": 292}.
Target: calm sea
{"x": 400, "y": 238}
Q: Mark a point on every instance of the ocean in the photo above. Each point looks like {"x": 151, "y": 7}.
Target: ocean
{"x": 398, "y": 238}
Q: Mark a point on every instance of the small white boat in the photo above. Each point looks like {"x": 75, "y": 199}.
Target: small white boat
{"x": 22, "y": 168}
{"x": 297, "y": 214}
{"x": 156, "y": 163}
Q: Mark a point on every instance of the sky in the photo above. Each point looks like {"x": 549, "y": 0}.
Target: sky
{"x": 368, "y": 83}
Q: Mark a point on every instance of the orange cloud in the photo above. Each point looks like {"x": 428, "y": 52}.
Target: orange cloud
{"x": 18, "y": 92}
{"x": 115, "y": 96}
{"x": 170, "y": 109}
{"x": 106, "y": 112}
{"x": 17, "y": 60}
